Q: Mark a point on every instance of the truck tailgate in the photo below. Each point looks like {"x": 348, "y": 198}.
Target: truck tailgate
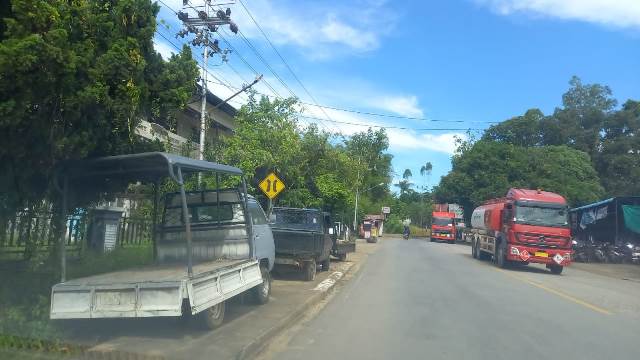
{"x": 296, "y": 242}
{"x": 153, "y": 291}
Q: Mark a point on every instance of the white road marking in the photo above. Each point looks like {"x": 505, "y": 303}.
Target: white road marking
{"x": 327, "y": 283}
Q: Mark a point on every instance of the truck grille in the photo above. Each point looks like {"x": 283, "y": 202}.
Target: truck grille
{"x": 542, "y": 240}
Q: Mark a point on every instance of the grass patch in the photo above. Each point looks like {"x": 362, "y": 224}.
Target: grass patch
{"x": 25, "y": 292}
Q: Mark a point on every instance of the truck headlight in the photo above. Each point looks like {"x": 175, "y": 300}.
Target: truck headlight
{"x": 515, "y": 251}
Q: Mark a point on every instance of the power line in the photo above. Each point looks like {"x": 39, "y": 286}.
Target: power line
{"x": 282, "y": 58}
{"x": 220, "y": 79}
{"x": 398, "y": 116}
{"x": 392, "y": 127}
{"x": 263, "y": 60}
{"x": 249, "y": 65}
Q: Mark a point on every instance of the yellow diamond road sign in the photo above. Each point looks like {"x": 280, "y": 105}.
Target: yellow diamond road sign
{"x": 271, "y": 185}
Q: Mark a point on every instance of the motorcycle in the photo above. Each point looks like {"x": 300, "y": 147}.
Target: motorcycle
{"x": 405, "y": 234}
{"x": 581, "y": 251}
{"x": 599, "y": 253}
{"x": 614, "y": 254}
{"x": 632, "y": 253}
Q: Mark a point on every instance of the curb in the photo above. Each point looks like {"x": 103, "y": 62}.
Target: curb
{"x": 254, "y": 347}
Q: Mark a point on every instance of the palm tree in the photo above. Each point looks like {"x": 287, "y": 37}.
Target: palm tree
{"x": 405, "y": 184}
{"x": 426, "y": 170}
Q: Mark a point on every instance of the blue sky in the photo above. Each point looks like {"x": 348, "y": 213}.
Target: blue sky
{"x": 469, "y": 62}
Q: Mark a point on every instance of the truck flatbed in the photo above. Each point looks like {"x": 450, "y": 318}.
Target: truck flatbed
{"x": 157, "y": 290}
{"x": 153, "y": 273}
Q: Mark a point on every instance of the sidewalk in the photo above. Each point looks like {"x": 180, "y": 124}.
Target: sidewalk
{"x": 617, "y": 271}
{"x": 246, "y": 330}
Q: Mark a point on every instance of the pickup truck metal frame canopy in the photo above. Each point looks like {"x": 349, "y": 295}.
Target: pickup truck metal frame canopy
{"x": 102, "y": 173}
{"x": 139, "y": 167}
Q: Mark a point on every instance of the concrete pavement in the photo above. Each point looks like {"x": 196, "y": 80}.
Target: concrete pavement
{"x": 247, "y": 326}
{"x": 415, "y": 299}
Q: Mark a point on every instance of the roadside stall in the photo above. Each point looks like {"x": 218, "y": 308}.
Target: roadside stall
{"x": 607, "y": 231}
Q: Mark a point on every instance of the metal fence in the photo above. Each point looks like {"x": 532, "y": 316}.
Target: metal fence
{"x": 31, "y": 233}
{"x": 134, "y": 231}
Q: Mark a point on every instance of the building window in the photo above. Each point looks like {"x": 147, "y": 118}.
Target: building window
{"x": 195, "y": 134}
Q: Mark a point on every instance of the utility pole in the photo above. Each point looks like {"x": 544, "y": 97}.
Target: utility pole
{"x": 203, "y": 111}
{"x": 201, "y": 21}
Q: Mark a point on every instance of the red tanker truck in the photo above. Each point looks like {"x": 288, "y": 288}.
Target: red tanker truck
{"x": 443, "y": 226}
{"x": 526, "y": 226}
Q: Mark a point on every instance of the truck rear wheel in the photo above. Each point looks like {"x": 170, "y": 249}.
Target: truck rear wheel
{"x": 261, "y": 292}
{"x": 213, "y": 317}
{"x": 555, "y": 269}
{"x": 309, "y": 270}
{"x": 326, "y": 264}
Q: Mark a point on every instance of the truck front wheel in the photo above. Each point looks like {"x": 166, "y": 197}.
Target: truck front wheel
{"x": 556, "y": 269}
{"x": 213, "y": 317}
{"x": 261, "y": 292}
{"x": 309, "y": 270}
{"x": 500, "y": 259}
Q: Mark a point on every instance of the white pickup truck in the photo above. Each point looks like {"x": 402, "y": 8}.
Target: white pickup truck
{"x": 225, "y": 241}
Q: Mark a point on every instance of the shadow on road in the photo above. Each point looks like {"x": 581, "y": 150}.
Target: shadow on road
{"x": 534, "y": 269}
{"x": 91, "y": 331}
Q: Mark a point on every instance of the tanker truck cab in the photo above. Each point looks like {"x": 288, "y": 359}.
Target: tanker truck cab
{"x": 443, "y": 226}
{"x": 527, "y": 226}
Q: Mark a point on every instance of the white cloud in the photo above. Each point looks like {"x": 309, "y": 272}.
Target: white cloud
{"x": 618, "y": 13}
{"x": 340, "y": 32}
{"x": 399, "y": 139}
{"x": 410, "y": 140}
{"x": 321, "y": 30}
{"x": 401, "y": 105}
{"x": 165, "y": 50}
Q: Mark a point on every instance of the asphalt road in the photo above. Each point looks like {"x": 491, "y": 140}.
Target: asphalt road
{"x": 419, "y": 300}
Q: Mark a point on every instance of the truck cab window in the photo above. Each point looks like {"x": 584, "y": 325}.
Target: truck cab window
{"x": 257, "y": 215}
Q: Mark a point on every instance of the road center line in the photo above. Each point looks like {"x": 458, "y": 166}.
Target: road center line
{"x": 556, "y": 292}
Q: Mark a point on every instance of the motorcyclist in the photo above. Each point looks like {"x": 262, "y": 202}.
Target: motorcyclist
{"x": 406, "y": 231}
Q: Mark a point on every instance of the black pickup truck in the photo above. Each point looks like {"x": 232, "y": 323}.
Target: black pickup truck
{"x": 303, "y": 238}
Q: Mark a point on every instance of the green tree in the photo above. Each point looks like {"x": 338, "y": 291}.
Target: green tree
{"x": 75, "y": 78}
{"x": 618, "y": 161}
{"x": 266, "y": 136}
{"x": 488, "y": 169}
{"x": 367, "y": 150}
{"x": 521, "y": 130}
{"x": 579, "y": 123}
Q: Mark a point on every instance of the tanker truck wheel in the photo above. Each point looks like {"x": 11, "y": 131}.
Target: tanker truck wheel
{"x": 499, "y": 257}
{"x": 555, "y": 269}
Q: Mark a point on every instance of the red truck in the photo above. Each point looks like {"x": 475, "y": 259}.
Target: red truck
{"x": 526, "y": 226}
{"x": 443, "y": 226}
